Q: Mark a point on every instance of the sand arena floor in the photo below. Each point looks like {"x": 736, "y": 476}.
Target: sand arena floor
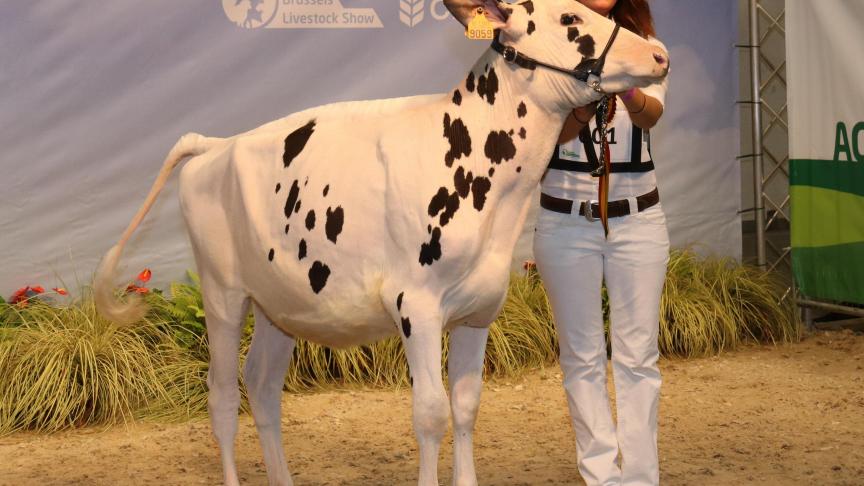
{"x": 784, "y": 415}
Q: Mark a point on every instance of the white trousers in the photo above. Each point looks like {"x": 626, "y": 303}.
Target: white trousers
{"x": 573, "y": 258}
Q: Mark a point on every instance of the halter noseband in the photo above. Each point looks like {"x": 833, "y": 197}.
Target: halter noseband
{"x": 590, "y": 75}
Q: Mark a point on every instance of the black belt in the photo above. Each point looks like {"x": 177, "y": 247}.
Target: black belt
{"x": 617, "y": 208}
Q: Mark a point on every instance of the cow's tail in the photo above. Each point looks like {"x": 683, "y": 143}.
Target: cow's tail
{"x": 133, "y": 308}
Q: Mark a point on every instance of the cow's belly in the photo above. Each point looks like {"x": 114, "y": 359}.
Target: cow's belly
{"x": 301, "y": 238}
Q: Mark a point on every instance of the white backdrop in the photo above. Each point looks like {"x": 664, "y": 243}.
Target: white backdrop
{"x": 94, "y": 94}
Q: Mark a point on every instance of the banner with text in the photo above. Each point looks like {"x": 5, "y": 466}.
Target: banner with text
{"x": 826, "y": 146}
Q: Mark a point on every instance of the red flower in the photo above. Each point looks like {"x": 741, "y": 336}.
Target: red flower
{"x": 37, "y": 289}
{"x": 60, "y": 290}
{"x": 144, "y": 276}
{"x": 20, "y": 296}
{"x": 138, "y": 290}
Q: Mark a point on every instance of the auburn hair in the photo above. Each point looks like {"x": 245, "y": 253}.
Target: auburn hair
{"x": 635, "y": 16}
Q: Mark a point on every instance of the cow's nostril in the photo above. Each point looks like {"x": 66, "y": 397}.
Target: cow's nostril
{"x": 660, "y": 59}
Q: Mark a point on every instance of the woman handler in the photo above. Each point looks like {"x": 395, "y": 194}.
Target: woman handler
{"x": 574, "y": 257}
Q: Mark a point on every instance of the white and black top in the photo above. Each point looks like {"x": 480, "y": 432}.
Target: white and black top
{"x": 569, "y": 175}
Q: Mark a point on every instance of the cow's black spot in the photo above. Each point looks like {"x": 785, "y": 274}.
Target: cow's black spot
{"x": 293, "y": 194}
{"x": 507, "y": 11}
{"x": 271, "y": 254}
{"x": 519, "y": 169}
{"x": 479, "y": 189}
{"x": 335, "y": 220}
{"x": 491, "y": 171}
{"x": 278, "y": 187}
{"x": 522, "y": 110}
{"x": 439, "y": 200}
{"x": 287, "y": 227}
{"x": 460, "y": 140}
{"x": 406, "y": 329}
{"x": 487, "y": 87}
{"x": 499, "y": 146}
{"x": 326, "y": 189}
{"x": 523, "y": 133}
{"x": 469, "y": 82}
{"x": 429, "y": 229}
{"x": 462, "y": 182}
{"x": 457, "y": 97}
{"x": 529, "y": 6}
{"x": 511, "y": 132}
{"x": 586, "y": 45}
{"x": 429, "y": 252}
{"x": 450, "y": 208}
{"x": 296, "y": 142}
{"x": 301, "y": 251}
{"x": 399, "y": 301}
{"x": 443, "y": 200}
{"x": 318, "y": 275}
{"x": 572, "y": 33}
{"x": 297, "y": 207}
{"x": 306, "y": 182}
{"x": 310, "y": 220}
{"x": 531, "y": 27}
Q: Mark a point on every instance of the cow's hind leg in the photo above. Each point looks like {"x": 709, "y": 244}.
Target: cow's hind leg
{"x": 264, "y": 373}
{"x": 422, "y": 340}
{"x": 465, "y": 374}
{"x": 225, "y": 310}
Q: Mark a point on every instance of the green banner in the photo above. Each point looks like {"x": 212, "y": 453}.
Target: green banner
{"x": 828, "y": 228}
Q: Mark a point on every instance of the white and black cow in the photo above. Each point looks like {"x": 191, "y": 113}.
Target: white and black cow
{"x": 347, "y": 223}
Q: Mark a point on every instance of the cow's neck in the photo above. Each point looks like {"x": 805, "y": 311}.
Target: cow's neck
{"x": 513, "y": 180}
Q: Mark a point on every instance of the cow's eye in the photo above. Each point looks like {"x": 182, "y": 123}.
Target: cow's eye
{"x": 570, "y": 19}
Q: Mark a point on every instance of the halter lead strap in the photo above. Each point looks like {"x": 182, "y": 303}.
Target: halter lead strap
{"x": 583, "y": 74}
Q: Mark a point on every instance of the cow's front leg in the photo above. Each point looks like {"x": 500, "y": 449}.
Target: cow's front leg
{"x": 422, "y": 340}
{"x": 465, "y": 374}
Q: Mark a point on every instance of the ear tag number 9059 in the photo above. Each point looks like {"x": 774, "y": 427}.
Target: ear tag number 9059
{"x": 480, "y": 28}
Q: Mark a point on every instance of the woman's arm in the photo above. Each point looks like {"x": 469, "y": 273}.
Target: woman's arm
{"x": 644, "y": 110}
{"x": 576, "y": 122}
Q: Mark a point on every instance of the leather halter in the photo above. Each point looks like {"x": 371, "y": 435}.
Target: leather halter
{"x": 588, "y": 73}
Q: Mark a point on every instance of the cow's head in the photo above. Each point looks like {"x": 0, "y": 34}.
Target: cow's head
{"x": 567, "y": 34}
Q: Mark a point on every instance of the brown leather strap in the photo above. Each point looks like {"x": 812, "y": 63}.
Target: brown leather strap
{"x": 617, "y": 208}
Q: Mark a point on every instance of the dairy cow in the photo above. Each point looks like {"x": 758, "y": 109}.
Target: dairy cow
{"x": 347, "y": 223}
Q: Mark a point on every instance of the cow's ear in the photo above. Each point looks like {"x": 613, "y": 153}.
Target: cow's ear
{"x": 463, "y": 10}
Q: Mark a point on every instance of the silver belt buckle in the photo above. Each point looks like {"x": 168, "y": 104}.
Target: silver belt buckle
{"x": 589, "y": 212}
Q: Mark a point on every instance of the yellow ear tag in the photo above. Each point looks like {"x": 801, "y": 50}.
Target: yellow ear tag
{"x": 480, "y": 28}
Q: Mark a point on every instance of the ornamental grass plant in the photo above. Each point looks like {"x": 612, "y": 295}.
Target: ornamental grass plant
{"x": 65, "y": 366}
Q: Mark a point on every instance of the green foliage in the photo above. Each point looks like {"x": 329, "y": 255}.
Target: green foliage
{"x": 711, "y": 305}
{"x": 184, "y": 314}
{"x": 65, "y": 366}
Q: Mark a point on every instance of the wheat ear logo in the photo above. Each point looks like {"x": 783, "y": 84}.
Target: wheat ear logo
{"x": 411, "y": 12}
